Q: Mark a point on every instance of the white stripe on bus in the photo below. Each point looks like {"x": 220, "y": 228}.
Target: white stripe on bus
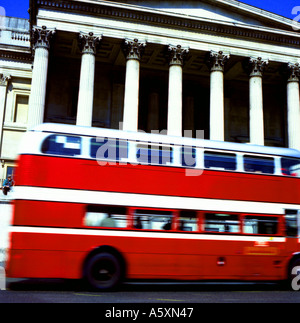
{"x": 147, "y": 200}
{"x": 144, "y": 234}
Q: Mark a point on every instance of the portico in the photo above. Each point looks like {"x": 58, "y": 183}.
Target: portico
{"x": 169, "y": 70}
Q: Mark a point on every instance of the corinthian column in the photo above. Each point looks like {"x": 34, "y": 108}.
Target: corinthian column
{"x": 41, "y": 43}
{"x": 176, "y": 56}
{"x": 293, "y": 106}
{"x": 4, "y": 78}
{"x": 88, "y": 44}
{"x": 132, "y": 51}
{"x": 217, "y": 61}
{"x": 256, "y": 114}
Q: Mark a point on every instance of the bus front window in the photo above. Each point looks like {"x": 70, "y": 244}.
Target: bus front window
{"x": 291, "y": 223}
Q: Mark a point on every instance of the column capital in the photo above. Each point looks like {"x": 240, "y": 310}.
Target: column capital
{"x": 4, "y": 79}
{"x": 41, "y": 36}
{"x": 216, "y": 60}
{"x": 133, "y": 49}
{"x": 293, "y": 72}
{"x": 177, "y": 54}
{"x": 88, "y": 42}
{"x": 257, "y": 66}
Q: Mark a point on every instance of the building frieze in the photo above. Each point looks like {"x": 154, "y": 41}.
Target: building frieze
{"x": 16, "y": 55}
{"x": 174, "y": 21}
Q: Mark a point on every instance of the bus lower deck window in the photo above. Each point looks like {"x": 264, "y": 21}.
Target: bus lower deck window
{"x": 108, "y": 217}
{"x": 221, "y": 222}
{"x": 188, "y": 221}
{"x": 260, "y": 224}
{"x": 152, "y": 220}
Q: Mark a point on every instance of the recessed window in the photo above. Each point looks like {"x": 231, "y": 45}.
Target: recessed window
{"x": 21, "y": 109}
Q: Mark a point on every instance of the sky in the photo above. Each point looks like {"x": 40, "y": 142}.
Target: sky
{"x": 18, "y": 8}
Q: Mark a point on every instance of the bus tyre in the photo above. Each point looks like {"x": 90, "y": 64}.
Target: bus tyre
{"x": 103, "y": 271}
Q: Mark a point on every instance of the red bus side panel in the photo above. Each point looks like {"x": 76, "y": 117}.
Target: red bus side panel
{"x": 83, "y": 174}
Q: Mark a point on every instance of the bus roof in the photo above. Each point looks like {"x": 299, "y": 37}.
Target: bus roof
{"x": 164, "y": 139}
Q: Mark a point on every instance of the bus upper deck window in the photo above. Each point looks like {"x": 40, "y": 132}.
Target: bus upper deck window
{"x": 62, "y": 145}
{"x": 221, "y": 161}
{"x": 108, "y": 148}
{"x": 154, "y": 154}
{"x": 255, "y": 164}
{"x": 290, "y": 166}
{"x": 188, "y": 156}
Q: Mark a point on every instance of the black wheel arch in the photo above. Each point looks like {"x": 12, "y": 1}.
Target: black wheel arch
{"x": 291, "y": 263}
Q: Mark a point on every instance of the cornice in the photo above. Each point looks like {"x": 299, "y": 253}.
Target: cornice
{"x": 130, "y": 13}
{"x": 16, "y": 55}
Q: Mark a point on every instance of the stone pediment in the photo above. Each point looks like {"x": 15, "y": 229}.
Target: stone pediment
{"x": 227, "y": 11}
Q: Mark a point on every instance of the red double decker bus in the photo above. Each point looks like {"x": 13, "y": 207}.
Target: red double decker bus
{"x": 108, "y": 205}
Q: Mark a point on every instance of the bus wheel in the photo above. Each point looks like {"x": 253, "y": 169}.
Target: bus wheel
{"x": 103, "y": 271}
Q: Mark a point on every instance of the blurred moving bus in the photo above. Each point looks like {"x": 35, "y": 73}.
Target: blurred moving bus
{"x": 108, "y": 205}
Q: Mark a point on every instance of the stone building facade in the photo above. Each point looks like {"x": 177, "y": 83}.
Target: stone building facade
{"x": 220, "y": 66}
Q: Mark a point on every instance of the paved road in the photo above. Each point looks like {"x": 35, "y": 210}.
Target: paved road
{"x": 60, "y": 291}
